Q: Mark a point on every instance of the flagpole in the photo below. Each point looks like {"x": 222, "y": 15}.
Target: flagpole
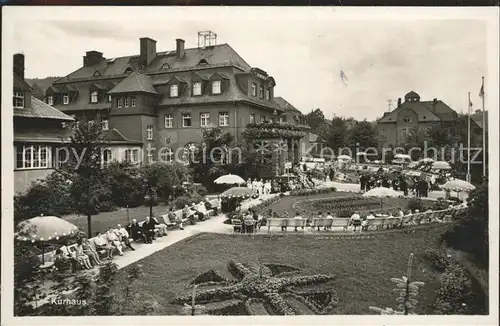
{"x": 468, "y": 178}
{"x": 484, "y": 130}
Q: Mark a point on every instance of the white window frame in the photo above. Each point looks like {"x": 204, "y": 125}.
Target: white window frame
{"x": 268, "y": 94}
{"x": 197, "y": 88}
{"x": 32, "y": 157}
{"x": 254, "y": 89}
{"x": 261, "y": 91}
{"x": 185, "y": 117}
{"x": 108, "y": 159}
{"x": 167, "y": 156}
{"x": 132, "y": 155}
{"x": 133, "y": 101}
{"x": 149, "y": 132}
{"x": 94, "y": 97}
{"x": 407, "y": 119}
{"x": 119, "y": 102}
{"x": 110, "y": 98}
{"x": 125, "y": 102}
{"x": 405, "y": 132}
{"x": 105, "y": 123}
{"x": 216, "y": 87}
{"x": 65, "y": 98}
{"x": 50, "y": 100}
{"x": 150, "y": 157}
{"x": 262, "y": 118}
{"x": 204, "y": 119}
{"x": 18, "y": 100}
{"x": 174, "y": 90}
{"x": 223, "y": 119}
{"x": 427, "y": 131}
{"x": 252, "y": 117}
{"x": 169, "y": 121}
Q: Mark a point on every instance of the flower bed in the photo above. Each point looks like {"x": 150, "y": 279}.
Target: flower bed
{"x": 272, "y": 130}
{"x": 310, "y": 192}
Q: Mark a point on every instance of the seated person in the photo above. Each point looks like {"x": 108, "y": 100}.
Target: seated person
{"x": 198, "y": 211}
{"x": 320, "y": 215}
{"x": 114, "y": 240}
{"x": 123, "y": 236}
{"x": 298, "y": 217}
{"x": 101, "y": 243}
{"x": 90, "y": 251}
{"x": 328, "y": 217}
{"x": 80, "y": 255}
{"x": 249, "y": 223}
{"x": 188, "y": 213}
{"x": 175, "y": 218}
{"x": 135, "y": 231}
{"x": 160, "y": 228}
{"x": 148, "y": 229}
{"x": 355, "y": 221}
{"x": 366, "y": 222}
{"x": 62, "y": 262}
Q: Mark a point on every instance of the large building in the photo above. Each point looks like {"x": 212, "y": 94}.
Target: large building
{"x": 161, "y": 100}
{"x": 415, "y": 116}
{"x": 39, "y": 129}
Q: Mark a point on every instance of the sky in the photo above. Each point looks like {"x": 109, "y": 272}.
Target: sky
{"x": 382, "y": 59}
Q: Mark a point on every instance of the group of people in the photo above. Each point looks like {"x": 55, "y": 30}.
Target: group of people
{"x": 260, "y": 187}
{"x": 420, "y": 187}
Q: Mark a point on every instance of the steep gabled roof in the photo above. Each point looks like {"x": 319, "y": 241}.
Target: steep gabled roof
{"x": 285, "y": 105}
{"x": 116, "y": 137}
{"x": 422, "y": 111}
{"x": 40, "y": 109}
{"x": 135, "y": 82}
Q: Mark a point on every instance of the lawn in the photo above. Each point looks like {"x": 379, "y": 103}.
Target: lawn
{"x": 362, "y": 266}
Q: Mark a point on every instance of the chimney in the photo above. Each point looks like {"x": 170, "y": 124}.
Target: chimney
{"x": 399, "y": 102}
{"x": 92, "y": 58}
{"x": 434, "y": 102}
{"x": 19, "y": 65}
{"x": 148, "y": 51}
{"x": 179, "y": 49}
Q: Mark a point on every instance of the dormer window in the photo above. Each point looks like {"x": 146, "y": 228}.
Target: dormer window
{"x": 254, "y": 89}
{"x": 50, "y": 100}
{"x": 128, "y": 70}
{"x": 66, "y": 98}
{"x": 126, "y": 102}
{"x": 197, "y": 88}
{"x": 165, "y": 66}
{"x": 268, "y": 95}
{"x": 18, "y": 100}
{"x": 119, "y": 102}
{"x": 93, "y": 97}
{"x": 407, "y": 119}
{"x": 203, "y": 62}
{"x": 132, "y": 101}
{"x": 216, "y": 89}
{"x": 97, "y": 73}
{"x": 261, "y": 93}
{"x": 174, "y": 90}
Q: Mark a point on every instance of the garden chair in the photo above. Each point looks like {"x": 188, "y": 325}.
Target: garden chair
{"x": 168, "y": 221}
{"x": 216, "y": 205}
{"x": 276, "y": 222}
{"x": 376, "y": 223}
{"x": 340, "y": 222}
{"x": 180, "y": 216}
{"x": 237, "y": 225}
{"x": 297, "y": 223}
{"x": 203, "y": 210}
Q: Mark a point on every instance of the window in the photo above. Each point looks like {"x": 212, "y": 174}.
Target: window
{"x": 125, "y": 102}
{"x": 272, "y": 120}
{"x": 109, "y": 98}
{"x": 105, "y": 124}
{"x": 262, "y": 118}
{"x": 282, "y": 120}
{"x": 31, "y": 157}
{"x": 223, "y": 119}
{"x": 169, "y": 121}
{"x": 18, "y": 100}
{"x": 407, "y": 119}
{"x": 405, "y": 132}
{"x": 119, "y": 102}
{"x": 197, "y": 88}
{"x": 132, "y": 155}
{"x": 216, "y": 87}
{"x": 186, "y": 119}
{"x": 132, "y": 101}
{"x": 167, "y": 155}
{"x": 427, "y": 131}
{"x": 252, "y": 117}
{"x": 93, "y": 97}
{"x": 50, "y": 100}
{"x": 261, "y": 91}
{"x": 268, "y": 95}
{"x": 149, "y": 132}
{"x": 204, "y": 119}
{"x": 66, "y": 98}
{"x": 150, "y": 156}
{"x": 254, "y": 89}
{"x": 174, "y": 90}
{"x": 107, "y": 156}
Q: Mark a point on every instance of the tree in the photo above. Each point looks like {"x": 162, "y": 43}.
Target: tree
{"x": 83, "y": 169}
{"x": 124, "y": 181}
{"x": 336, "y": 135}
{"x": 162, "y": 180}
{"x": 363, "y": 135}
{"x": 315, "y": 119}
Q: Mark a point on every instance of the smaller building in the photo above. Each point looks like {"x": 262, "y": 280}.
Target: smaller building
{"x": 416, "y": 117}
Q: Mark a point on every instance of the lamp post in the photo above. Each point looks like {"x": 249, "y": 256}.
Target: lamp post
{"x": 150, "y": 196}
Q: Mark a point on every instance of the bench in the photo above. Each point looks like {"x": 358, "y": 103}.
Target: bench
{"x": 276, "y": 222}
{"x": 340, "y": 222}
{"x": 318, "y": 223}
{"x": 237, "y": 225}
{"x": 297, "y": 223}
{"x": 377, "y": 223}
{"x": 201, "y": 208}
{"x": 216, "y": 205}
{"x": 392, "y": 222}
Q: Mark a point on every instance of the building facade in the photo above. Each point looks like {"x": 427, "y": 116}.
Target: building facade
{"x": 39, "y": 130}
{"x": 415, "y": 117}
{"x": 161, "y": 101}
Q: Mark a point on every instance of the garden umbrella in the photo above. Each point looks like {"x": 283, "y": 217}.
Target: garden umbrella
{"x": 43, "y": 230}
{"x": 458, "y": 186}
{"x": 381, "y": 192}
{"x": 402, "y": 156}
{"x": 427, "y": 160}
{"x": 229, "y": 179}
{"x": 344, "y": 157}
{"x": 441, "y": 165}
{"x": 237, "y": 192}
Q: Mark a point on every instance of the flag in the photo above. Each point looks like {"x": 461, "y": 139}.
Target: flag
{"x": 481, "y": 92}
{"x": 470, "y": 103}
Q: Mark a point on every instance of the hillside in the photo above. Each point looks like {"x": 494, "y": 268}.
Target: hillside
{"x": 40, "y": 85}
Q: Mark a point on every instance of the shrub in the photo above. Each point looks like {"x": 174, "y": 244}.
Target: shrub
{"x": 181, "y": 202}
{"x": 437, "y": 259}
{"x": 440, "y": 204}
{"x": 455, "y": 294}
{"x": 107, "y": 206}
